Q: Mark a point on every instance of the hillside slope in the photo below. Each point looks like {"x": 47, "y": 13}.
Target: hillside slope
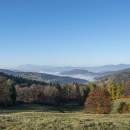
{"x": 119, "y": 76}
{"x": 43, "y": 77}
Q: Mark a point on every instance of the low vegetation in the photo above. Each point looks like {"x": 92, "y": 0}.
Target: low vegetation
{"x": 49, "y": 118}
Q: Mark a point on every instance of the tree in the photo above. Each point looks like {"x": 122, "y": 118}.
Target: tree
{"x": 99, "y": 101}
{"x": 78, "y": 93}
{"x": 91, "y": 86}
{"x": 116, "y": 90}
{"x": 85, "y": 94}
{"x": 127, "y": 89}
{"x": 112, "y": 88}
{"x": 4, "y": 98}
{"x": 12, "y": 91}
{"x": 7, "y": 91}
{"x": 123, "y": 107}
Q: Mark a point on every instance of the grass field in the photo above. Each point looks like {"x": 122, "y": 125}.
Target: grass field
{"x": 35, "y": 117}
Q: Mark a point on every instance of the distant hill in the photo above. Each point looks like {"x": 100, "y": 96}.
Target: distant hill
{"x": 77, "y": 71}
{"x": 59, "y": 69}
{"x": 20, "y": 80}
{"x": 43, "y": 69}
{"x": 43, "y": 77}
{"x": 107, "y": 68}
{"x": 119, "y": 76}
{"x": 80, "y": 73}
{"x": 85, "y": 74}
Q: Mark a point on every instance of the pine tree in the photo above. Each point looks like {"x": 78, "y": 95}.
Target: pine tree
{"x": 12, "y": 91}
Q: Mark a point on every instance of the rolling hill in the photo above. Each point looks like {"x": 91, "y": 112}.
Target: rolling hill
{"x": 59, "y": 69}
{"x": 118, "y": 76}
{"x": 77, "y": 71}
{"x": 43, "y": 77}
{"x": 80, "y": 73}
{"x": 85, "y": 74}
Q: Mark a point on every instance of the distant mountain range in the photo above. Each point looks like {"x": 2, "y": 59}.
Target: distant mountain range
{"x": 65, "y": 75}
{"x": 108, "y": 68}
{"x": 59, "y": 69}
{"x": 79, "y": 73}
{"x": 70, "y": 76}
{"x": 85, "y": 73}
{"x": 43, "y": 69}
{"x": 44, "y": 77}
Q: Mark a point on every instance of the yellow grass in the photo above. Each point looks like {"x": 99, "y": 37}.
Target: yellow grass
{"x": 54, "y": 120}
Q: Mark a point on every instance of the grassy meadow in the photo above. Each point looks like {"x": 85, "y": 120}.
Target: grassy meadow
{"x": 36, "y": 117}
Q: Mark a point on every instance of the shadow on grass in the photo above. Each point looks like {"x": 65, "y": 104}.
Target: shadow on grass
{"x": 41, "y": 108}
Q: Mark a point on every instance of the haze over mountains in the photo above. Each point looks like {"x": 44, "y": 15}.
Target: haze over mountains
{"x": 66, "y": 75}
{"x": 86, "y": 73}
{"x": 54, "y": 69}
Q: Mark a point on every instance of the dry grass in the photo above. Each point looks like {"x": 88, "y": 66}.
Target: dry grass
{"x": 54, "y": 120}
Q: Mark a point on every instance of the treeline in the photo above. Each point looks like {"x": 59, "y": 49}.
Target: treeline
{"x": 18, "y": 90}
{"x": 20, "y": 80}
{"x": 52, "y": 94}
{"x": 8, "y": 83}
{"x": 96, "y": 97}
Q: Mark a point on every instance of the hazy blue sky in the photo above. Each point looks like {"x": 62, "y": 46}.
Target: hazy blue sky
{"x": 64, "y": 32}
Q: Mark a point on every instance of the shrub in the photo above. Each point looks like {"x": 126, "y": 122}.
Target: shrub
{"x": 129, "y": 107}
{"x": 123, "y": 107}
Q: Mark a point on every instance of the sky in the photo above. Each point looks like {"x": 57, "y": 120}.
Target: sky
{"x": 64, "y": 32}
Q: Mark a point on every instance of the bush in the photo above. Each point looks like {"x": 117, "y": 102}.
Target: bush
{"x": 129, "y": 107}
{"x": 123, "y": 107}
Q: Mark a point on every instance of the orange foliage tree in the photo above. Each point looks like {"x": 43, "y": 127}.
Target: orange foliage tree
{"x": 98, "y": 102}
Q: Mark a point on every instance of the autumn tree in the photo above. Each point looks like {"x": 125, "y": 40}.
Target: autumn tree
{"x": 99, "y": 101}
{"x": 116, "y": 90}
{"x": 127, "y": 89}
